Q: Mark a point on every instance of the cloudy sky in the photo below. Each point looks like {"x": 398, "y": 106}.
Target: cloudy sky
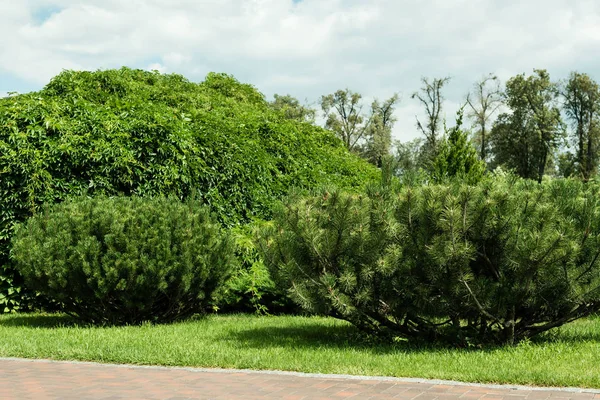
{"x": 304, "y": 47}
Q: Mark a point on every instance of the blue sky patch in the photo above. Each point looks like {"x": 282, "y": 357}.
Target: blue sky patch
{"x": 42, "y": 14}
{"x": 12, "y": 83}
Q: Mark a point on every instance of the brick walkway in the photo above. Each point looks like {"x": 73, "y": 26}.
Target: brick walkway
{"x": 30, "y": 379}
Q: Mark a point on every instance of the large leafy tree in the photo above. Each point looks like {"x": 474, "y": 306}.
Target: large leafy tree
{"x": 134, "y": 132}
{"x": 408, "y": 156}
{"x": 343, "y": 111}
{"x": 292, "y": 109}
{"x": 525, "y": 138}
{"x": 367, "y": 133}
{"x": 581, "y": 103}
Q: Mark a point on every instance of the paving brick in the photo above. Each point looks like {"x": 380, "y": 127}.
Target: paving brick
{"x": 38, "y": 379}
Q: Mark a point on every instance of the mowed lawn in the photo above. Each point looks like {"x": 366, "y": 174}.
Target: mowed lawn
{"x": 569, "y": 356}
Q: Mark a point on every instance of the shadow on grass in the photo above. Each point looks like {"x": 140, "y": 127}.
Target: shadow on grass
{"x": 344, "y": 337}
{"x": 319, "y": 336}
{"x": 40, "y": 321}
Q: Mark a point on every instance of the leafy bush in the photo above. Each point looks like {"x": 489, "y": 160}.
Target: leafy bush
{"x": 133, "y": 132}
{"x": 10, "y": 299}
{"x": 250, "y": 287}
{"x": 124, "y": 260}
{"x": 499, "y": 262}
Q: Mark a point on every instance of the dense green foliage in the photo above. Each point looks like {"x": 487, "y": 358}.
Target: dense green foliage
{"x": 124, "y": 259}
{"x": 457, "y": 158}
{"x": 250, "y": 287}
{"x": 525, "y": 138}
{"x": 499, "y": 262}
{"x": 10, "y": 293}
{"x": 581, "y": 99}
{"x": 292, "y": 109}
{"x": 134, "y": 132}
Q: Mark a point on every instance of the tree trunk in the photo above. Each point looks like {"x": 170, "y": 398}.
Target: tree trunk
{"x": 590, "y": 162}
{"x": 542, "y": 166}
{"x": 483, "y": 142}
{"x": 583, "y": 168}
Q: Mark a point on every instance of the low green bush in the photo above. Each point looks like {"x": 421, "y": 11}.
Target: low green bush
{"x": 499, "y": 262}
{"x": 124, "y": 260}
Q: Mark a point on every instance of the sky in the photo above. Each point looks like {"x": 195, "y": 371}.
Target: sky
{"x": 305, "y": 48}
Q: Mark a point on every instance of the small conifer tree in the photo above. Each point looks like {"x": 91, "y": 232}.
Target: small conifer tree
{"x": 457, "y": 157}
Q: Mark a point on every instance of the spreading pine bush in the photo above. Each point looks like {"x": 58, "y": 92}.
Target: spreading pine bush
{"x": 496, "y": 263}
{"x": 124, "y": 260}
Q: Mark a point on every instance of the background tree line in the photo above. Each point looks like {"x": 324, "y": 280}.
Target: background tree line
{"x": 531, "y": 124}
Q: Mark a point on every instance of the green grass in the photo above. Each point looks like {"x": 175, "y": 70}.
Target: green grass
{"x": 567, "y": 357}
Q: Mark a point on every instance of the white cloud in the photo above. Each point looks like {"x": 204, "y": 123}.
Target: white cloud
{"x": 157, "y": 67}
{"x": 308, "y": 48}
{"x": 176, "y": 59}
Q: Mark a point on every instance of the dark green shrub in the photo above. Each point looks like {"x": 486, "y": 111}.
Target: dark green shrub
{"x": 498, "y": 262}
{"x": 133, "y": 132}
{"x": 124, "y": 260}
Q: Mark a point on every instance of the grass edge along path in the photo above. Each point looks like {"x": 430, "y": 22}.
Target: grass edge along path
{"x": 568, "y": 357}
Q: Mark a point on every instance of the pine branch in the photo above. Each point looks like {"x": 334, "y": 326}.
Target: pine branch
{"x": 478, "y": 304}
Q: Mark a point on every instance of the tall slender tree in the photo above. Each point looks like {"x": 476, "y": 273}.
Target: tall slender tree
{"x": 483, "y": 101}
{"x": 379, "y": 134}
{"x": 344, "y": 116}
{"x": 581, "y": 103}
{"x": 430, "y": 96}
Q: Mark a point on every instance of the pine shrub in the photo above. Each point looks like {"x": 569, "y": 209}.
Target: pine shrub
{"x": 494, "y": 263}
{"x": 124, "y": 260}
